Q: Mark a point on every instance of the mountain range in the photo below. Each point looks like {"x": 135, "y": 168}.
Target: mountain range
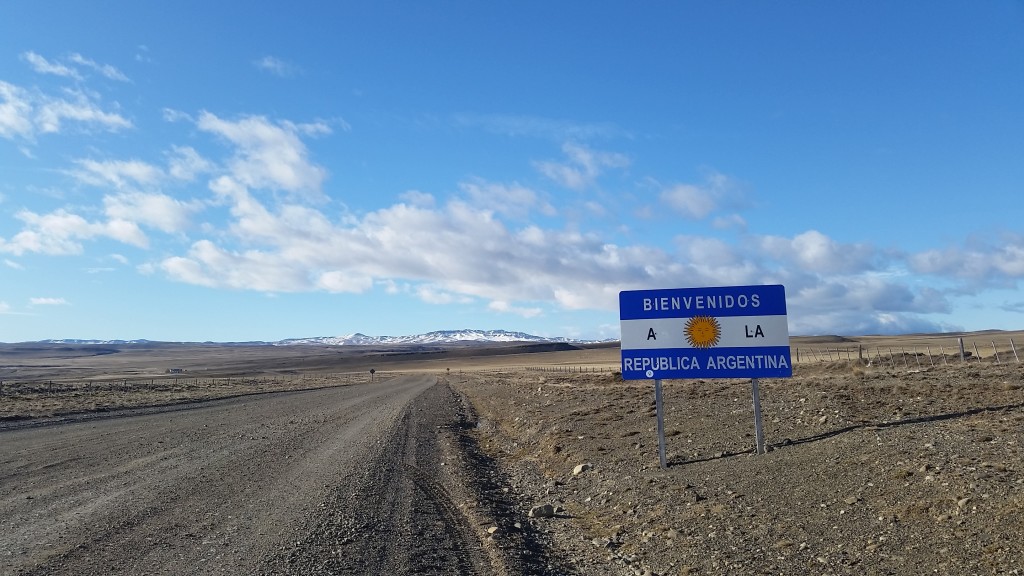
{"x": 357, "y": 339}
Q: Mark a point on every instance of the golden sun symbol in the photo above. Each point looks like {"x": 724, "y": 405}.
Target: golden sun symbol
{"x": 703, "y": 331}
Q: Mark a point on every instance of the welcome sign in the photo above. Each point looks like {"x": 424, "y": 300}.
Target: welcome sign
{"x": 719, "y": 332}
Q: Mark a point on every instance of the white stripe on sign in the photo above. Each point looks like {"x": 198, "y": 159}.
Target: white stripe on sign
{"x": 732, "y": 332}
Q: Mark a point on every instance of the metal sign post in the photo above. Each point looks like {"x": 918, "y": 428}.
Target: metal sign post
{"x": 758, "y": 428}
{"x": 661, "y": 423}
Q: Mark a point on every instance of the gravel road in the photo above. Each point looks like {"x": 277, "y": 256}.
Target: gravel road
{"x": 332, "y": 481}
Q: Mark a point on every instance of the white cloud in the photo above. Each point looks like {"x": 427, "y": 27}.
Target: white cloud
{"x": 275, "y": 66}
{"x": 159, "y": 211}
{"x": 24, "y": 114}
{"x": 341, "y": 281}
{"x": 691, "y": 201}
{"x": 172, "y": 115}
{"x": 583, "y": 167}
{"x": 5, "y": 308}
{"x": 418, "y": 199}
{"x": 15, "y": 112}
{"x": 48, "y": 301}
{"x": 814, "y": 252}
{"x": 512, "y": 200}
{"x": 43, "y": 66}
{"x": 209, "y": 265}
{"x": 106, "y": 70}
{"x": 117, "y": 173}
{"x": 184, "y": 163}
{"x": 268, "y": 155}
{"x": 12, "y": 264}
{"x": 505, "y": 307}
{"x": 50, "y": 113}
{"x": 698, "y": 201}
{"x": 432, "y": 294}
{"x": 979, "y": 263}
{"x": 62, "y": 233}
{"x": 730, "y": 222}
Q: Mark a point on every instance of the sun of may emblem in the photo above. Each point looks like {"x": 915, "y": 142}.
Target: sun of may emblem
{"x": 703, "y": 331}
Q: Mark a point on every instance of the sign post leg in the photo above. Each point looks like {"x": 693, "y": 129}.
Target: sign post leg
{"x": 661, "y": 422}
{"x": 758, "y": 428}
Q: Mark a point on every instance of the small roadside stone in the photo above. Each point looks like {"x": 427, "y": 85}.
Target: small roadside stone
{"x": 542, "y": 511}
{"x": 581, "y": 468}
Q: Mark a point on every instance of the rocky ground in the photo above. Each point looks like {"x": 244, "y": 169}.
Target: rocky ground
{"x": 869, "y": 471}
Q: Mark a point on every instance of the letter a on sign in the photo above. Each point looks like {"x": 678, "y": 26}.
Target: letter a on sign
{"x": 651, "y": 335}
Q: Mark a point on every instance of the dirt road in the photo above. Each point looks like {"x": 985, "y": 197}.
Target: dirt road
{"x": 332, "y": 481}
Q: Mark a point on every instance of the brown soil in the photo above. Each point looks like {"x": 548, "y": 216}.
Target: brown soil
{"x": 869, "y": 470}
{"x": 909, "y": 465}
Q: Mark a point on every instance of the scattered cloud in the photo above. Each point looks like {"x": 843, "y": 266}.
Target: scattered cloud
{"x": 172, "y": 115}
{"x": 16, "y": 112}
{"x": 62, "y": 233}
{"x": 505, "y": 307}
{"x": 78, "y": 107}
{"x": 691, "y": 201}
{"x": 27, "y": 113}
{"x": 155, "y": 210}
{"x": 813, "y": 251}
{"x": 419, "y": 199}
{"x": 43, "y": 66}
{"x": 275, "y": 66}
{"x": 476, "y": 246}
{"x": 119, "y": 174}
{"x": 106, "y": 70}
{"x": 513, "y": 200}
{"x": 142, "y": 53}
{"x": 698, "y": 201}
{"x": 12, "y": 264}
{"x": 268, "y": 154}
{"x": 184, "y": 163}
{"x": 5, "y": 308}
{"x": 48, "y": 302}
{"x": 978, "y": 263}
{"x": 582, "y": 167}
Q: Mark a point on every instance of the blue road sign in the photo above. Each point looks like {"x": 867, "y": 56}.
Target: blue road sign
{"x": 719, "y": 332}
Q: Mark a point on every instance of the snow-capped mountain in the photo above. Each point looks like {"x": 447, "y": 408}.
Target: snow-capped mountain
{"x": 437, "y": 337}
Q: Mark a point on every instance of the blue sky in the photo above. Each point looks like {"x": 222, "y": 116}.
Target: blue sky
{"x": 195, "y": 171}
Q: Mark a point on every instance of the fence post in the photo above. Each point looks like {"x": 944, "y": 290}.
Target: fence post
{"x": 995, "y": 352}
{"x": 962, "y": 354}
{"x": 976, "y": 353}
{"x": 930, "y": 361}
{"x": 916, "y": 357}
{"x": 1012, "y": 346}
{"x": 903, "y": 352}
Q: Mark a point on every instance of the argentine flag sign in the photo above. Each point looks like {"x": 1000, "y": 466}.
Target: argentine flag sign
{"x": 720, "y": 332}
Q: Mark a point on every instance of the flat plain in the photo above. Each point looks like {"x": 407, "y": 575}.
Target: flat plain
{"x": 886, "y": 456}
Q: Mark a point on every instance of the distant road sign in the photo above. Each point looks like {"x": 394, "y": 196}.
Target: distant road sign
{"x": 720, "y": 332}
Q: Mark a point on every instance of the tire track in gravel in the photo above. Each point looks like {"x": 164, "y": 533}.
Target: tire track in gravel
{"x": 395, "y": 516}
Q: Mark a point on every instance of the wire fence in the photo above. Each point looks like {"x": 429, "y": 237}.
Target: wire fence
{"x": 920, "y": 356}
